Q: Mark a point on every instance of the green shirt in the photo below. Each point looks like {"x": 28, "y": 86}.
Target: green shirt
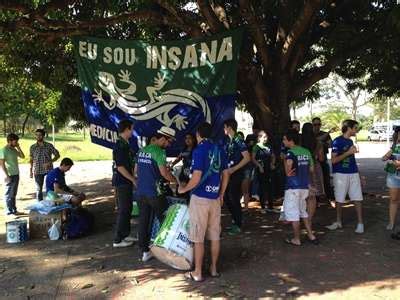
{"x": 10, "y": 156}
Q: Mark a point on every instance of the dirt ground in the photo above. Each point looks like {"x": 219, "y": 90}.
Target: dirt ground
{"x": 254, "y": 264}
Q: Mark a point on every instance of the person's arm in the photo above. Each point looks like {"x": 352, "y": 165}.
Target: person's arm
{"x": 124, "y": 172}
{"x": 320, "y": 153}
{"x": 289, "y": 167}
{"x": 19, "y": 151}
{"x": 224, "y": 184}
{"x": 273, "y": 161}
{"x": 4, "y": 170}
{"x": 55, "y": 153}
{"x": 60, "y": 189}
{"x": 255, "y": 162}
{"x": 338, "y": 158}
{"x": 178, "y": 159}
{"x": 387, "y": 155}
{"x": 193, "y": 182}
{"x": 245, "y": 160}
{"x": 121, "y": 158}
{"x": 167, "y": 174}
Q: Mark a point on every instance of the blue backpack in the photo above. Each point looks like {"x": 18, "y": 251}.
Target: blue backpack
{"x": 79, "y": 223}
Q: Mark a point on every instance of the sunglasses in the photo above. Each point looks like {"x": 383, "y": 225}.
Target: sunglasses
{"x": 317, "y": 124}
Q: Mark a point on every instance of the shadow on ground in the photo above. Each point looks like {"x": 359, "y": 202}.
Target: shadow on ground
{"x": 256, "y": 263}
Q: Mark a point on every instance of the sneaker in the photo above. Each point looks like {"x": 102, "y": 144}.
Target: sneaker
{"x": 234, "y": 230}
{"x": 334, "y": 226}
{"x": 131, "y": 239}
{"x": 390, "y": 227}
{"x": 122, "y": 243}
{"x": 360, "y": 228}
{"x": 147, "y": 256}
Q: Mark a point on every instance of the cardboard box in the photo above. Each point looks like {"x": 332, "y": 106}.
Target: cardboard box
{"x": 40, "y": 224}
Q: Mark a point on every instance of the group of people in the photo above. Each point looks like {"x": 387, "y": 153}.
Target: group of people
{"x": 216, "y": 173}
{"x": 42, "y": 155}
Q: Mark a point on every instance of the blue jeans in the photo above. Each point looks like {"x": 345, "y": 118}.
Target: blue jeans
{"x": 39, "y": 180}
{"x": 10, "y": 192}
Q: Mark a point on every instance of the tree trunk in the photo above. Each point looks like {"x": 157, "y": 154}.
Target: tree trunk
{"x": 5, "y": 125}
{"x": 24, "y": 124}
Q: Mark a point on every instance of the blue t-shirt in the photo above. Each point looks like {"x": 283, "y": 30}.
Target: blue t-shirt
{"x": 55, "y": 176}
{"x": 348, "y": 165}
{"x": 202, "y": 156}
{"x": 234, "y": 149}
{"x": 149, "y": 159}
{"x": 302, "y": 160}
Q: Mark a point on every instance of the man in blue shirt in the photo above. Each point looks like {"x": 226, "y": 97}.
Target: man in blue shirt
{"x": 346, "y": 179}
{"x": 123, "y": 181}
{"x": 238, "y": 157}
{"x": 299, "y": 166}
{"x": 151, "y": 168}
{"x": 55, "y": 181}
{"x": 208, "y": 183}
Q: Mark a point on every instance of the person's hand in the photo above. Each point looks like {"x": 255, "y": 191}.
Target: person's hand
{"x": 7, "y": 179}
{"x": 397, "y": 164}
{"x": 181, "y": 190}
{"x": 47, "y": 166}
{"x": 261, "y": 169}
{"x": 385, "y": 157}
{"x": 312, "y": 189}
{"x": 221, "y": 200}
{"x": 292, "y": 172}
{"x": 352, "y": 150}
{"x": 273, "y": 166}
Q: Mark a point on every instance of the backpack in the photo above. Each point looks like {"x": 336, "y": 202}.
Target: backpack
{"x": 79, "y": 223}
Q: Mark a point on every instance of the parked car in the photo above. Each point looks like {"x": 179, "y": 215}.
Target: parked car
{"x": 375, "y": 135}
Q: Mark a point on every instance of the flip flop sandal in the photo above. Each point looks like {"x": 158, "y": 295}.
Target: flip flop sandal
{"x": 289, "y": 242}
{"x": 396, "y": 236}
{"x": 216, "y": 275}
{"x": 190, "y": 276}
{"x": 314, "y": 241}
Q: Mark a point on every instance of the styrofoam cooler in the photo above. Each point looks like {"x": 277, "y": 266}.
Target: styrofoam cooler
{"x": 172, "y": 245}
{"x": 17, "y": 231}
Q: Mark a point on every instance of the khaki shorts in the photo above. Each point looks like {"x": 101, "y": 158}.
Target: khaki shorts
{"x": 205, "y": 218}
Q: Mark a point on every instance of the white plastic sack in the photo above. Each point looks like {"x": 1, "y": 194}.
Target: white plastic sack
{"x": 55, "y": 231}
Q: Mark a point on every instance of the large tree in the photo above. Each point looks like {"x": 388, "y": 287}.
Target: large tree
{"x": 289, "y": 45}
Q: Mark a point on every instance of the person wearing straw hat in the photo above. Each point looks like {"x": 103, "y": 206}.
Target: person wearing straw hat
{"x": 150, "y": 169}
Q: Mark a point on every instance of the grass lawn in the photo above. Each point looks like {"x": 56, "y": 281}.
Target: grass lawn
{"x": 361, "y": 136}
{"x": 70, "y": 145}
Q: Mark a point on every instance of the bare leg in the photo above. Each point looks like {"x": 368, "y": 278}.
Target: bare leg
{"x": 307, "y": 224}
{"x": 358, "y": 205}
{"x": 339, "y": 212}
{"x": 245, "y": 192}
{"x": 296, "y": 232}
{"x": 215, "y": 246}
{"x": 311, "y": 206}
{"x": 393, "y": 205}
{"x": 198, "y": 260}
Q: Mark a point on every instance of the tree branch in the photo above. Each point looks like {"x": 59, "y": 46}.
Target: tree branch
{"x": 255, "y": 31}
{"x": 300, "y": 26}
{"x": 181, "y": 18}
{"x": 209, "y": 14}
{"x": 63, "y": 28}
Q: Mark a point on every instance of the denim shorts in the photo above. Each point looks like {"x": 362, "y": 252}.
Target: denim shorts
{"x": 393, "y": 181}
